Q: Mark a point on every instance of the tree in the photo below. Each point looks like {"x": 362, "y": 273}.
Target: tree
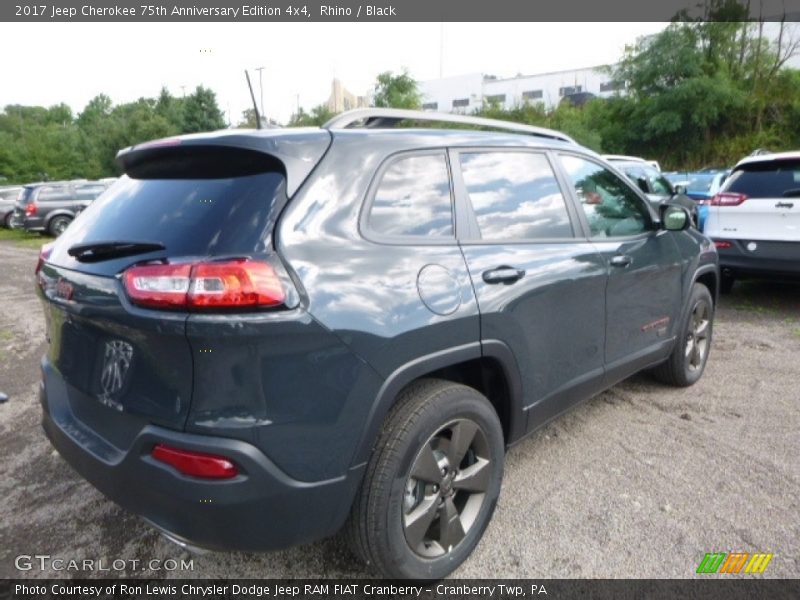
{"x": 396, "y": 91}
{"x": 201, "y": 113}
{"x": 248, "y": 120}
{"x": 319, "y": 115}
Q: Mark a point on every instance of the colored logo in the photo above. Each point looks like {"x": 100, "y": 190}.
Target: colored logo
{"x": 734, "y": 562}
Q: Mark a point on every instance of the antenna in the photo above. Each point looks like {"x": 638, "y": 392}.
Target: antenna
{"x": 253, "y": 97}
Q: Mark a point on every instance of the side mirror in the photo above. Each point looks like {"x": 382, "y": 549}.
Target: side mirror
{"x": 674, "y": 217}
{"x": 680, "y": 189}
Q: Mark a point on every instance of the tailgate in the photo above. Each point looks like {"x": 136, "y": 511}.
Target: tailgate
{"x": 122, "y": 367}
{"x": 769, "y": 202}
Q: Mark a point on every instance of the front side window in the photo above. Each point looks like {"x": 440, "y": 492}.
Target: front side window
{"x": 611, "y": 207}
{"x": 413, "y": 199}
{"x": 515, "y": 195}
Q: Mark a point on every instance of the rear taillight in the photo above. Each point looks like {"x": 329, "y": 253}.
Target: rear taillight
{"x": 158, "y": 285}
{"x": 722, "y": 244}
{"x": 728, "y": 199}
{"x": 196, "y": 464}
{"x": 223, "y": 284}
{"x": 44, "y": 254}
{"x": 31, "y": 209}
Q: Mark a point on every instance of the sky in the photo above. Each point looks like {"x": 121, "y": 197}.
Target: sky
{"x": 73, "y": 62}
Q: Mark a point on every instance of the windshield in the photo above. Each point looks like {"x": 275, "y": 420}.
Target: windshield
{"x": 700, "y": 183}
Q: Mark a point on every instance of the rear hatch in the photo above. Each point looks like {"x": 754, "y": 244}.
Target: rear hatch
{"x": 20, "y": 205}
{"x": 760, "y": 201}
{"x": 114, "y": 286}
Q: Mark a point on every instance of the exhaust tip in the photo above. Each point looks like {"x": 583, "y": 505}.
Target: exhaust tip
{"x": 179, "y": 541}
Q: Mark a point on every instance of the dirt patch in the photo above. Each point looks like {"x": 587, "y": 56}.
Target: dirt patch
{"x": 640, "y": 481}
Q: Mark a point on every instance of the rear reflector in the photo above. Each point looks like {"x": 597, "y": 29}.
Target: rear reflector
{"x": 722, "y": 244}
{"x": 196, "y": 464}
{"x": 223, "y": 284}
{"x": 728, "y": 199}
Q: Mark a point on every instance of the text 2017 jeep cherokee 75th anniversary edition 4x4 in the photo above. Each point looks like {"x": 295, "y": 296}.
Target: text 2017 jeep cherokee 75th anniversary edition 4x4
{"x": 258, "y": 338}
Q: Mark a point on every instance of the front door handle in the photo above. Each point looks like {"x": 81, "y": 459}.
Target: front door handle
{"x": 503, "y": 274}
{"x": 621, "y": 260}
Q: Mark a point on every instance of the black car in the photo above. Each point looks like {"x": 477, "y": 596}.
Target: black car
{"x": 50, "y": 207}
{"x": 262, "y": 338}
{"x": 8, "y": 198}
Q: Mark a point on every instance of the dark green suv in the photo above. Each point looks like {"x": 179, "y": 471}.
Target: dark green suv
{"x": 262, "y": 338}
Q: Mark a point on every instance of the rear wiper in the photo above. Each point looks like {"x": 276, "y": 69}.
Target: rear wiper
{"x": 792, "y": 193}
{"x": 97, "y": 251}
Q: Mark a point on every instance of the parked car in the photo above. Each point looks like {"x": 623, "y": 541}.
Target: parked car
{"x": 258, "y": 339}
{"x": 614, "y": 158}
{"x": 8, "y": 197}
{"x": 659, "y": 190}
{"x": 755, "y": 219}
{"x": 50, "y": 207}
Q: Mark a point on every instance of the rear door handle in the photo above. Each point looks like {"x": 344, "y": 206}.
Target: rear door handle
{"x": 621, "y": 260}
{"x": 503, "y": 275}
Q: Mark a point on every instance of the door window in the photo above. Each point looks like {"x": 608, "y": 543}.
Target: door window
{"x": 413, "y": 199}
{"x": 611, "y": 207}
{"x": 515, "y": 196}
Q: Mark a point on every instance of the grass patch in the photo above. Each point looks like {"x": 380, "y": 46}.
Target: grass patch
{"x": 23, "y": 238}
{"x": 6, "y": 336}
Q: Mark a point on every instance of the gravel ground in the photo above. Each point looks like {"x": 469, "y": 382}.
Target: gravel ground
{"x": 640, "y": 481}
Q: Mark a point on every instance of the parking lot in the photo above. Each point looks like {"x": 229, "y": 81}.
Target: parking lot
{"x": 641, "y": 481}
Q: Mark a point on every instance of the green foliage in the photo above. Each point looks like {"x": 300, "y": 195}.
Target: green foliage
{"x": 319, "y": 115}
{"x": 201, "y": 113}
{"x": 397, "y": 91}
{"x": 38, "y": 143}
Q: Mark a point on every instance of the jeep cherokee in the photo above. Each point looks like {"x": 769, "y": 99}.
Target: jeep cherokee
{"x": 261, "y": 338}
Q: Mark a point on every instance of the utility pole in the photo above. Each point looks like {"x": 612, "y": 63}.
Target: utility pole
{"x": 183, "y": 91}
{"x": 441, "y": 49}
{"x": 261, "y": 90}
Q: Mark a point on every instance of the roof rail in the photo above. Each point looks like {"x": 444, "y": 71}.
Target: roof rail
{"x": 389, "y": 117}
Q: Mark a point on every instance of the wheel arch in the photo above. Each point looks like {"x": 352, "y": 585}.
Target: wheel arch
{"x": 488, "y": 367}
{"x": 59, "y": 212}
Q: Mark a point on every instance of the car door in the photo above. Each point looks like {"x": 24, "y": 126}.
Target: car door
{"x": 643, "y": 296}
{"x": 540, "y": 286}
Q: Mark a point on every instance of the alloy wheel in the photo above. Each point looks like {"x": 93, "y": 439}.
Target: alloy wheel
{"x": 697, "y": 338}
{"x": 446, "y": 488}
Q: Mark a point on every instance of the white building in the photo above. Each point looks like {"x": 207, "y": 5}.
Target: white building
{"x": 465, "y": 93}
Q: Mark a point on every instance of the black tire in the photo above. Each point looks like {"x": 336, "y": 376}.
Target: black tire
{"x": 689, "y": 356}
{"x": 7, "y": 220}
{"x": 57, "y": 225}
{"x": 382, "y": 522}
{"x": 726, "y": 284}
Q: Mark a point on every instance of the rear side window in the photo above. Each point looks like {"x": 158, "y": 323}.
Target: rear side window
{"x": 766, "y": 180}
{"x": 53, "y": 193}
{"x": 515, "y": 195}
{"x": 9, "y": 194}
{"x": 189, "y": 212}
{"x": 413, "y": 199}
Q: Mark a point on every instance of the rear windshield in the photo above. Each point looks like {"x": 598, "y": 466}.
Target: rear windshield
{"x": 766, "y": 180}
{"x": 191, "y": 216}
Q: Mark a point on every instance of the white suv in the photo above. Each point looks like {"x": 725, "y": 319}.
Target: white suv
{"x": 755, "y": 219}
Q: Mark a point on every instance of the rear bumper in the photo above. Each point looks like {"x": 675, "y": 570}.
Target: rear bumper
{"x": 262, "y": 508}
{"x": 27, "y": 223}
{"x": 765, "y": 259}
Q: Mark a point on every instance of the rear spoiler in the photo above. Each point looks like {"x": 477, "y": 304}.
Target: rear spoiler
{"x": 297, "y": 150}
